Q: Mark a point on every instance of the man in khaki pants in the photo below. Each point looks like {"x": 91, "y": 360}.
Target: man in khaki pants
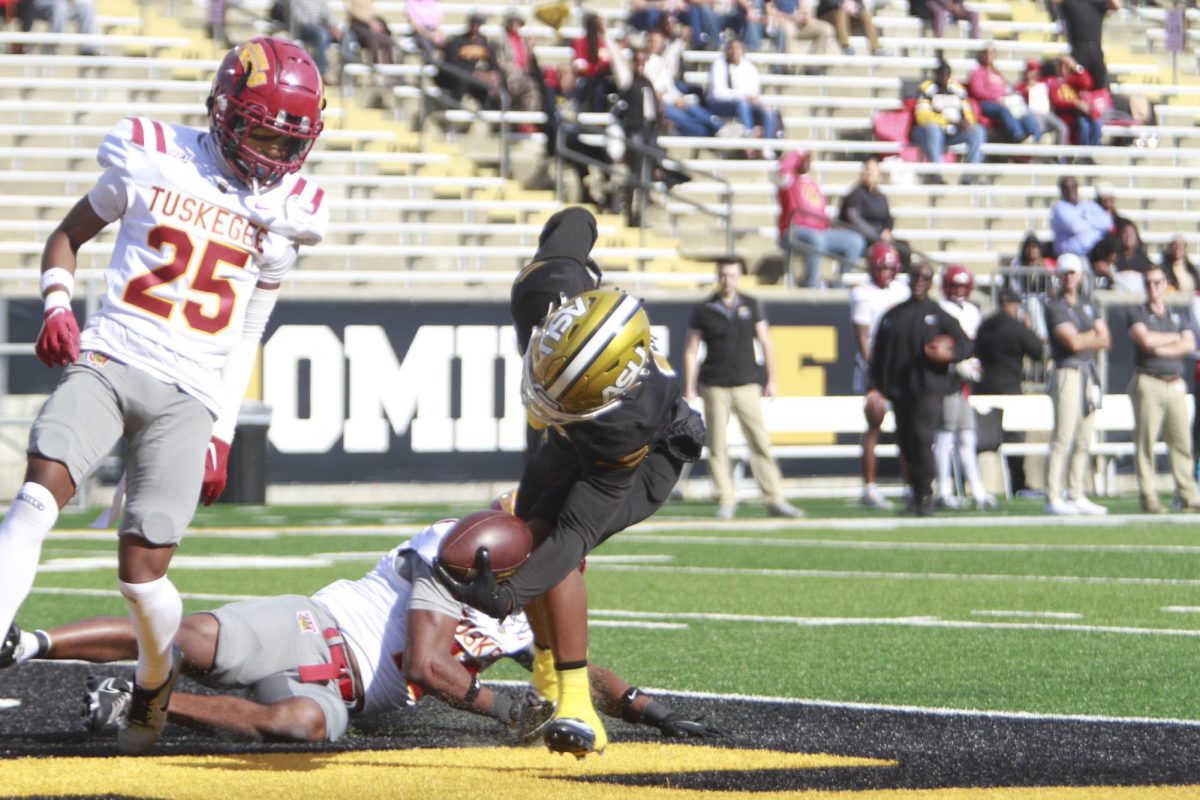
{"x": 1076, "y": 335}
{"x": 729, "y": 324}
{"x": 1162, "y": 342}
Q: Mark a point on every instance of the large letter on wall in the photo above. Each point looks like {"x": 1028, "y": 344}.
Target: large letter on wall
{"x": 414, "y": 393}
{"x": 287, "y": 349}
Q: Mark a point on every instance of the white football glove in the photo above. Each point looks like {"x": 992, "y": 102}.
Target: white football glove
{"x": 970, "y": 370}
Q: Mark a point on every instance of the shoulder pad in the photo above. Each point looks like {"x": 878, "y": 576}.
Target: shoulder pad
{"x": 128, "y": 138}
{"x": 306, "y": 212}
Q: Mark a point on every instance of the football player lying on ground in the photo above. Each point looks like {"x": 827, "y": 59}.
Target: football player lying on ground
{"x": 353, "y": 649}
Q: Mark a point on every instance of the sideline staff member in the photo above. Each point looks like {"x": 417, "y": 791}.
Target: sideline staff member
{"x": 729, "y": 323}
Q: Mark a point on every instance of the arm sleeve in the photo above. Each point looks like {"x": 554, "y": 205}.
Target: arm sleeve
{"x": 1030, "y": 343}
{"x": 582, "y": 522}
{"x": 235, "y": 376}
{"x": 428, "y": 593}
{"x": 110, "y": 196}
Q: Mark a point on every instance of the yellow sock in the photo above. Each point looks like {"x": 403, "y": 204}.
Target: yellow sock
{"x": 545, "y": 679}
{"x": 575, "y": 701}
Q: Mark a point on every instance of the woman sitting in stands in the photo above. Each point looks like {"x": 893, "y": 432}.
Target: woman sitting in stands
{"x": 1180, "y": 271}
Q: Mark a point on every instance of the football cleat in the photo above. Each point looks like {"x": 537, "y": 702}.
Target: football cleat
{"x": 573, "y": 736}
{"x": 8, "y": 647}
{"x": 146, "y": 715}
{"x": 532, "y": 716}
{"x": 104, "y": 701}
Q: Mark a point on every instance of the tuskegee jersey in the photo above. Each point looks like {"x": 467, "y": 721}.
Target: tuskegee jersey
{"x": 372, "y": 614}
{"x": 192, "y": 245}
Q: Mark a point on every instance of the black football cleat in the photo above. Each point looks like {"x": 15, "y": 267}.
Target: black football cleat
{"x": 570, "y": 735}
{"x": 8, "y": 648}
{"x": 104, "y": 701}
{"x": 146, "y": 715}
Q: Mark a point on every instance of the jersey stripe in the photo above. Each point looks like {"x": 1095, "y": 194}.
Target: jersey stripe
{"x": 316, "y": 201}
{"x": 595, "y": 346}
{"x": 139, "y": 136}
{"x": 160, "y": 138}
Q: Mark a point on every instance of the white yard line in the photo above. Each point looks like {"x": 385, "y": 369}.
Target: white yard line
{"x": 1181, "y": 609}
{"x": 981, "y": 547}
{"x": 612, "y": 623}
{"x": 1027, "y": 614}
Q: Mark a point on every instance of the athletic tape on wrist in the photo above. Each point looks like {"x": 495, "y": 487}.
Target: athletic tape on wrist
{"x": 468, "y": 699}
{"x": 56, "y": 299}
{"x": 58, "y": 276}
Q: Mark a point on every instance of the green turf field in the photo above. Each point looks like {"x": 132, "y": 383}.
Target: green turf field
{"x": 1000, "y": 612}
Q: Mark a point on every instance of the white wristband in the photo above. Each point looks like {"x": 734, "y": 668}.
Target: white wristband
{"x": 58, "y": 276}
{"x": 57, "y": 299}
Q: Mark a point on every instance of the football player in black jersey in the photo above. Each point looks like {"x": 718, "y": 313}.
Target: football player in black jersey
{"x": 618, "y": 435}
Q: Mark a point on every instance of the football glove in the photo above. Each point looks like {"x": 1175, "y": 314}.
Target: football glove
{"x": 58, "y": 343}
{"x": 970, "y": 370}
{"x": 216, "y": 470}
{"x": 677, "y": 726}
{"x": 483, "y": 591}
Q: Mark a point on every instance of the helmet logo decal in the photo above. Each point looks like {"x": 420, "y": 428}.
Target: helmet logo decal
{"x": 628, "y": 375}
{"x": 562, "y": 320}
{"x": 594, "y": 345}
{"x": 254, "y": 61}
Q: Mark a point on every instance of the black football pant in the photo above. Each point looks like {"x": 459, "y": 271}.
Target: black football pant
{"x": 916, "y": 420}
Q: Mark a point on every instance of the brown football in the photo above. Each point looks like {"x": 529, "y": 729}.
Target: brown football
{"x": 940, "y": 349}
{"x": 506, "y": 537}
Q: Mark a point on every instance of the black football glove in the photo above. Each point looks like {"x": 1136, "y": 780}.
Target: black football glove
{"x": 483, "y": 591}
{"x": 677, "y": 726}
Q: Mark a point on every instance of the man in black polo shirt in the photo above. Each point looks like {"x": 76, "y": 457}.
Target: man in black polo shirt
{"x": 729, "y": 323}
{"x": 1162, "y": 342}
{"x": 1001, "y": 346}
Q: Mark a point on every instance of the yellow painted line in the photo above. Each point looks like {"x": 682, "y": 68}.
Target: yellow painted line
{"x": 494, "y": 772}
{"x": 1007, "y": 793}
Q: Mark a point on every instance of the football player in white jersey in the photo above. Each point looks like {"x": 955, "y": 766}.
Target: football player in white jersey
{"x": 354, "y": 649}
{"x": 211, "y": 221}
{"x": 868, "y": 303}
{"x": 957, "y": 426}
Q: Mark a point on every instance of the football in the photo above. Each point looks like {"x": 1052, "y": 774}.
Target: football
{"x": 940, "y": 349}
{"x": 506, "y": 537}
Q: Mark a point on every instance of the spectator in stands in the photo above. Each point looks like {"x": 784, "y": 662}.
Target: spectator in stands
{"x": 804, "y": 224}
{"x": 1162, "y": 344}
{"x": 729, "y": 323}
{"x": 1078, "y": 225}
{"x": 934, "y": 12}
{"x": 1180, "y": 271}
{"x": 425, "y": 19}
{"x": 841, "y": 14}
{"x": 944, "y": 115}
{"x": 649, "y": 15}
{"x": 372, "y": 33}
{"x": 1069, "y": 96}
{"x": 520, "y": 68}
{"x": 1130, "y": 262}
{"x": 312, "y": 23}
{"x": 58, "y": 13}
{"x": 869, "y": 301}
{"x": 1032, "y": 254}
{"x": 914, "y": 375}
{"x": 1076, "y": 335}
{"x": 865, "y": 209}
{"x": 593, "y": 64}
{"x": 1004, "y": 341}
{"x": 1107, "y": 198}
{"x": 734, "y": 87}
{"x": 699, "y": 17}
{"x": 794, "y": 20}
{"x": 1083, "y": 23}
{"x": 684, "y": 112}
{"x": 999, "y": 102}
{"x": 748, "y": 21}
{"x": 1036, "y": 92}
{"x": 473, "y": 53}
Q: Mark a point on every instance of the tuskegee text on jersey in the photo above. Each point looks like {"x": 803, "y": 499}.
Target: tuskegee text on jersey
{"x": 207, "y": 217}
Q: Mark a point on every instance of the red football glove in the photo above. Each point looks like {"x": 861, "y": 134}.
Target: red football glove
{"x": 216, "y": 470}
{"x": 58, "y": 343}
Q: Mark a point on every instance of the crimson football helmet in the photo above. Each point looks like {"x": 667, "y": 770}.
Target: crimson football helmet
{"x": 957, "y": 283}
{"x": 265, "y": 109}
{"x": 883, "y": 262}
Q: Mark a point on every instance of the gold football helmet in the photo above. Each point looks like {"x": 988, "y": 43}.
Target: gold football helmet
{"x": 585, "y": 357}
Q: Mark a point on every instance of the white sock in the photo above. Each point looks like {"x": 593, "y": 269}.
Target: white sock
{"x": 970, "y": 462}
{"x": 943, "y": 447}
{"x": 156, "y": 610}
{"x": 30, "y": 517}
{"x": 870, "y": 488}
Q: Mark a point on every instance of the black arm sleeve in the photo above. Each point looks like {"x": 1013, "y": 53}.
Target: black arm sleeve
{"x": 1030, "y": 343}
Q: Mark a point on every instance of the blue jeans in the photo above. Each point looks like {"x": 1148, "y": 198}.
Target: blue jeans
{"x": 1087, "y": 130}
{"x": 932, "y": 139}
{"x": 1015, "y": 128}
{"x": 747, "y": 113}
{"x": 706, "y": 31}
{"x": 845, "y": 245}
{"x": 318, "y": 39}
{"x": 691, "y": 120}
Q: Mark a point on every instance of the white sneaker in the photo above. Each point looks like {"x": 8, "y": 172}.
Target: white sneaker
{"x": 985, "y": 502}
{"x": 1085, "y": 506}
{"x": 726, "y": 512}
{"x": 873, "y": 498}
{"x": 948, "y": 501}
{"x": 1062, "y": 508}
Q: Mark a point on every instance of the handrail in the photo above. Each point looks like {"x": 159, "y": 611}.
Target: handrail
{"x": 467, "y": 77}
{"x": 641, "y": 182}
